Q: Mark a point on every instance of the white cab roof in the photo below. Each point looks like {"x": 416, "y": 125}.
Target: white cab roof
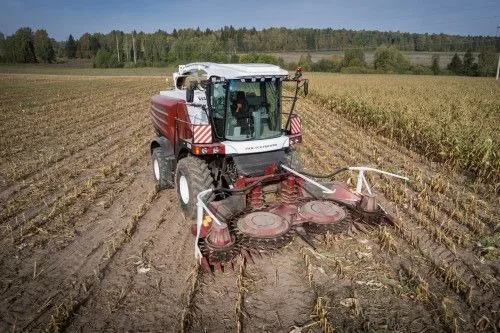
{"x": 233, "y": 71}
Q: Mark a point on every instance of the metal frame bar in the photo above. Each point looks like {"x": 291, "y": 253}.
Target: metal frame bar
{"x": 362, "y": 180}
{"x": 325, "y": 189}
{"x": 199, "y": 219}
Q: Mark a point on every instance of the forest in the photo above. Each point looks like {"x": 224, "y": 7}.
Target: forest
{"x": 228, "y": 44}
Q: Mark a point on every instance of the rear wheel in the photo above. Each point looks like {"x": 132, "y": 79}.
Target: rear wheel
{"x": 162, "y": 169}
{"x": 192, "y": 176}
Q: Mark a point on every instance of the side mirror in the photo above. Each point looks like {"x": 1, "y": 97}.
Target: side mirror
{"x": 298, "y": 73}
{"x": 190, "y": 92}
{"x": 306, "y": 87}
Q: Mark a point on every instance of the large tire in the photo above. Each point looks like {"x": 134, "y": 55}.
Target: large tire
{"x": 162, "y": 169}
{"x": 294, "y": 160}
{"x": 192, "y": 176}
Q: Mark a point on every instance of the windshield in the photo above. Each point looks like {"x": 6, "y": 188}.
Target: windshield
{"x": 246, "y": 110}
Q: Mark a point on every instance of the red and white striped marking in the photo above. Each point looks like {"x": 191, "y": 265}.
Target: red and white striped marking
{"x": 202, "y": 134}
{"x": 295, "y": 125}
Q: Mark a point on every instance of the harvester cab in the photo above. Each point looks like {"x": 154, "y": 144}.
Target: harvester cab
{"x": 224, "y": 143}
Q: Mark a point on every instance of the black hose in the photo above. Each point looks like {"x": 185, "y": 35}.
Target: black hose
{"x": 236, "y": 190}
{"x": 330, "y": 175}
{"x": 257, "y": 182}
{"x": 243, "y": 189}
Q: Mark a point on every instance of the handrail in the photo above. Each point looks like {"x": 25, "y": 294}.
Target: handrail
{"x": 362, "y": 180}
{"x": 201, "y": 206}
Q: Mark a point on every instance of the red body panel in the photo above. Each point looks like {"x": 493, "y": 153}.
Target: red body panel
{"x": 184, "y": 129}
{"x": 168, "y": 113}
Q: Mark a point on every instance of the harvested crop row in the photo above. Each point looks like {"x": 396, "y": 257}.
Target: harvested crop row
{"x": 78, "y": 193}
{"x": 70, "y": 129}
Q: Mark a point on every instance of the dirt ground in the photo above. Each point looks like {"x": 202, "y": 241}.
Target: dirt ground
{"x": 89, "y": 245}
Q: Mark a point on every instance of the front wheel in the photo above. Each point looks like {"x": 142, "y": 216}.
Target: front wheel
{"x": 192, "y": 176}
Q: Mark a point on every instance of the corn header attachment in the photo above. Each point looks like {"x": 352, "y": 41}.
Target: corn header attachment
{"x": 263, "y": 214}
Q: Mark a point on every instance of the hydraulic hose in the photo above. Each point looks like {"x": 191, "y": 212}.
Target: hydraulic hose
{"x": 259, "y": 181}
{"x": 330, "y": 175}
{"x": 238, "y": 190}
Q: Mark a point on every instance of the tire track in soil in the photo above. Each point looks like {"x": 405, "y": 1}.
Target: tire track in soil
{"x": 214, "y": 303}
{"x": 273, "y": 292}
{"x": 278, "y": 295}
{"x": 72, "y": 270}
{"x": 127, "y": 299}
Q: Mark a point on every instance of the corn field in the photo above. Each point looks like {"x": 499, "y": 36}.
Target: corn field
{"x": 454, "y": 120}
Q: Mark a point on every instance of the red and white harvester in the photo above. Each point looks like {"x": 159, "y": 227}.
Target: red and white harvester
{"x": 224, "y": 143}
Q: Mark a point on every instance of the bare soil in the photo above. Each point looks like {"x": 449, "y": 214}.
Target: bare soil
{"x": 88, "y": 244}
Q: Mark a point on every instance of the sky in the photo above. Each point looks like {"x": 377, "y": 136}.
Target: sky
{"x": 61, "y": 18}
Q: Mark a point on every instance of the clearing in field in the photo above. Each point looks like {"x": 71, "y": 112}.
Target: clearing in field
{"x": 88, "y": 244}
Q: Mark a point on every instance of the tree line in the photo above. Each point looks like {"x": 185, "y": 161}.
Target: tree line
{"x": 27, "y": 47}
{"x": 118, "y": 48}
{"x": 389, "y": 59}
{"x": 485, "y": 66}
